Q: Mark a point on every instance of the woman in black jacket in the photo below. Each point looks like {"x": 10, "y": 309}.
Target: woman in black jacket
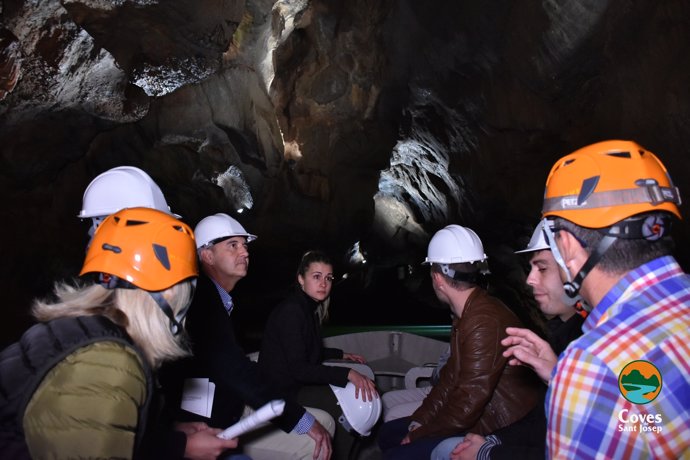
{"x": 292, "y": 351}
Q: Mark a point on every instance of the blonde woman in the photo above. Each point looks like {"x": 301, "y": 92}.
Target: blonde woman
{"x": 292, "y": 351}
{"x": 79, "y": 384}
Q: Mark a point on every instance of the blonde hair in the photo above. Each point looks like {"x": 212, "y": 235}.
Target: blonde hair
{"x": 322, "y": 310}
{"x": 132, "y": 309}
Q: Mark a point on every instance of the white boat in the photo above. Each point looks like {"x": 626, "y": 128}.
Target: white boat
{"x": 397, "y": 359}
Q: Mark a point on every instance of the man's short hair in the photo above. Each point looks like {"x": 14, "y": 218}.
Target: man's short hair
{"x": 625, "y": 254}
{"x": 470, "y": 272}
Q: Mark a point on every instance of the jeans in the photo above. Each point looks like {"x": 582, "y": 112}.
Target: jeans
{"x": 390, "y": 435}
{"x": 445, "y": 447}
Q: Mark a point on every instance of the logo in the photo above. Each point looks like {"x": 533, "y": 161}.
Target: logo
{"x": 640, "y": 382}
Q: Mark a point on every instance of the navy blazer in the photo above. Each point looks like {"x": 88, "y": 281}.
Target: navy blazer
{"x": 218, "y": 356}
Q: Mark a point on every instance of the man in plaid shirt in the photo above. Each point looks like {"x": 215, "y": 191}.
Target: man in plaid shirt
{"x": 608, "y": 209}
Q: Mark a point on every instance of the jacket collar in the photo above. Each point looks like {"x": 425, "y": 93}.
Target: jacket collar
{"x": 310, "y": 304}
{"x": 476, "y": 294}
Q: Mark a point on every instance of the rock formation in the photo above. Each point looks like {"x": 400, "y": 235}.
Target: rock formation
{"x": 361, "y": 127}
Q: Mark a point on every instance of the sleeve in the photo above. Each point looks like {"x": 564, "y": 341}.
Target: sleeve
{"x": 162, "y": 440}
{"x": 457, "y": 401}
{"x": 524, "y": 439}
{"x": 293, "y": 332}
{"x": 88, "y": 405}
{"x": 175, "y": 445}
{"x": 332, "y": 353}
{"x": 582, "y": 408}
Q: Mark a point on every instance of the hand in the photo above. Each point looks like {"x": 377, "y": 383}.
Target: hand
{"x": 202, "y": 442}
{"x": 322, "y": 439}
{"x": 527, "y": 348}
{"x": 468, "y": 448}
{"x": 190, "y": 427}
{"x": 363, "y": 385}
{"x": 413, "y": 426}
{"x": 353, "y": 357}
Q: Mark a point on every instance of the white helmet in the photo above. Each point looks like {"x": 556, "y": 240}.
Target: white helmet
{"x": 218, "y": 226}
{"x": 119, "y": 188}
{"x": 453, "y": 245}
{"x": 358, "y": 414}
{"x": 538, "y": 240}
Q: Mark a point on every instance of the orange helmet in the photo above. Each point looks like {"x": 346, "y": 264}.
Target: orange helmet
{"x": 607, "y": 182}
{"x": 144, "y": 247}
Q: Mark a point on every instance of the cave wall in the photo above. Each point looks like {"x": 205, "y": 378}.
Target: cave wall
{"x": 347, "y": 121}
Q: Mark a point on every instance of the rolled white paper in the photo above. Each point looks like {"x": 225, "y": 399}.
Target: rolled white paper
{"x": 265, "y": 413}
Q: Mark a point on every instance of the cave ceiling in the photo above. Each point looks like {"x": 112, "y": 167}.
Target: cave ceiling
{"x": 360, "y": 127}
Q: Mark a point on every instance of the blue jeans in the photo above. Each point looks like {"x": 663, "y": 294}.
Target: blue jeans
{"x": 445, "y": 447}
{"x": 392, "y": 432}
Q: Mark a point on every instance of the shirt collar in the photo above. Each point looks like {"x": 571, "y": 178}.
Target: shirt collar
{"x": 635, "y": 280}
{"x": 225, "y": 297}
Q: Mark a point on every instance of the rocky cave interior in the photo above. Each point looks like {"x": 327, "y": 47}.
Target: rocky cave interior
{"x": 360, "y": 127}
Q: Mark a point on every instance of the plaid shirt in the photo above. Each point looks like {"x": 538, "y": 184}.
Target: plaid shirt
{"x": 645, "y": 316}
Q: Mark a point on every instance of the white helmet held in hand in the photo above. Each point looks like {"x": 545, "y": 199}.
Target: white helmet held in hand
{"x": 538, "y": 241}
{"x": 454, "y": 245}
{"x": 216, "y": 227}
{"x": 358, "y": 415}
{"x": 119, "y": 188}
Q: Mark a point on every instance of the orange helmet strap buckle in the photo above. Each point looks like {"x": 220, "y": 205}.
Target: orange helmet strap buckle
{"x": 650, "y": 227}
{"x": 109, "y": 281}
{"x": 582, "y": 309}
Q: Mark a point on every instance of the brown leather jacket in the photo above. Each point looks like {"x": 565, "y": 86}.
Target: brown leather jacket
{"x": 478, "y": 391}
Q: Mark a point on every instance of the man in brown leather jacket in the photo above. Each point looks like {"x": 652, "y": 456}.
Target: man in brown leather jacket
{"x": 477, "y": 390}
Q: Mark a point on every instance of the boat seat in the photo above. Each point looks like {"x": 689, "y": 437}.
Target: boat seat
{"x": 416, "y": 376}
{"x": 361, "y": 368}
{"x": 392, "y": 355}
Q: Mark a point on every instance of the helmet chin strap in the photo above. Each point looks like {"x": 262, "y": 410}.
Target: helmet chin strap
{"x": 111, "y": 282}
{"x": 648, "y": 227}
{"x": 175, "y": 326}
{"x": 551, "y": 240}
{"x": 572, "y": 286}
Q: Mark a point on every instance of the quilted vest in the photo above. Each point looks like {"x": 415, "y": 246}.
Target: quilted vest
{"x": 24, "y": 364}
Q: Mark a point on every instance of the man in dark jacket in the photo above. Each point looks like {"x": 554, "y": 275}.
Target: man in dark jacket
{"x": 477, "y": 391}
{"x": 224, "y": 259}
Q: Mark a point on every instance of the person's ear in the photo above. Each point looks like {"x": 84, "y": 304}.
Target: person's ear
{"x": 206, "y": 256}
{"x": 574, "y": 255}
{"x": 300, "y": 280}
